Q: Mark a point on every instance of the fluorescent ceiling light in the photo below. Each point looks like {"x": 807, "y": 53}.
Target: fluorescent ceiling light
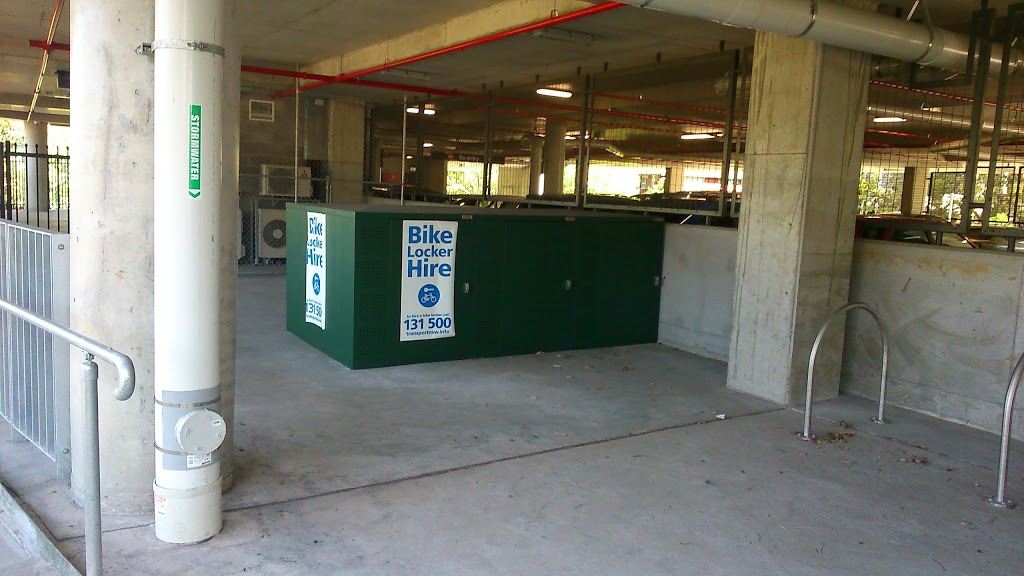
{"x": 416, "y": 110}
{"x": 889, "y": 120}
{"x": 554, "y": 93}
{"x": 697, "y": 136}
{"x": 563, "y": 35}
{"x": 428, "y": 145}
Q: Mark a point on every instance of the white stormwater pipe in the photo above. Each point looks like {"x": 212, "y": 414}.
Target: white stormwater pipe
{"x": 188, "y": 103}
{"x": 838, "y": 25}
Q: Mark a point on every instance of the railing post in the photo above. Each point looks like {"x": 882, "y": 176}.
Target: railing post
{"x": 1004, "y": 442}
{"x": 91, "y": 441}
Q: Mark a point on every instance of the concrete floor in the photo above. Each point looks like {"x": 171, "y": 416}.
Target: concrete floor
{"x": 598, "y": 462}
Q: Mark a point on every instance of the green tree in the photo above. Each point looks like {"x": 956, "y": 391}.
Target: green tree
{"x": 12, "y": 131}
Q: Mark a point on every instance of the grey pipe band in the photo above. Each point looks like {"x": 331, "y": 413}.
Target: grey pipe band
{"x": 187, "y": 45}
{"x": 814, "y": 20}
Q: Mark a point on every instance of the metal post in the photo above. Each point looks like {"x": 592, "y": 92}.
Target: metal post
{"x": 983, "y": 21}
{"x": 730, "y": 119}
{"x": 1004, "y": 442}
{"x": 91, "y": 440}
{"x": 405, "y": 135}
{"x": 808, "y": 401}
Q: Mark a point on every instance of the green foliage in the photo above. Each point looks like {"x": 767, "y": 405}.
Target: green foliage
{"x": 12, "y": 131}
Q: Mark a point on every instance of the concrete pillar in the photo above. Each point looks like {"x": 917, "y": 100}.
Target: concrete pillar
{"x": 674, "y": 178}
{"x": 806, "y": 131}
{"x": 434, "y": 176}
{"x": 536, "y": 164}
{"x": 112, "y": 236}
{"x": 907, "y": 199}
{"x": 231, "y": 234}
{"x": 38, "y": 191}
{"x": 315, "y": 129}
{"x": 554, "y": 157}
{"x": 345, "y": 150}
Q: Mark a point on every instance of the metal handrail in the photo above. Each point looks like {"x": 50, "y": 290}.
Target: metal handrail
{"x": 1004, "y": 446}
{"x": 90, "y": 436}
{"x": 806, "y": 434}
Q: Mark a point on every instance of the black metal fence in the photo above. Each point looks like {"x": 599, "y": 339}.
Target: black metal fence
{"x": 35, "y": 186}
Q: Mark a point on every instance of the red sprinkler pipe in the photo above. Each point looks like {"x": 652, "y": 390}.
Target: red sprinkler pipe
{"x": 54, "y": 20}
{"x": 547, "y": 23}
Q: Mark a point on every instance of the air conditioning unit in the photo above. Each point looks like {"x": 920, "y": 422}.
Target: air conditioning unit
{"x": 271, "y": 233}
{"x": 280, "y": 181}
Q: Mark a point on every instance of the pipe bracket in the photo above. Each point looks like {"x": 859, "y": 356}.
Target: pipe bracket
{"x": 194, "y": 45}
{"x": 814, "y": 20}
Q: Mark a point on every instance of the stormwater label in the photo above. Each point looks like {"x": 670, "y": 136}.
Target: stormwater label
{"x": 316, "y": 269}
{"x": 195, "y": 150}
{"x": 428, "y": 279}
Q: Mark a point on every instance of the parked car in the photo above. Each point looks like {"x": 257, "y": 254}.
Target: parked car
{"x": 921, "y": 229}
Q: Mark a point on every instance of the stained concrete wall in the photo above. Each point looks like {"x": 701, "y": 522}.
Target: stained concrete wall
{"x": 697, "y": 291}
{"x": 955, "y": 322}
{"x": 954, "y": 315}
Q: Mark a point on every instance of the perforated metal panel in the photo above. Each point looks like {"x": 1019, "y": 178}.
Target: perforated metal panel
{"x": 34, "y": 368}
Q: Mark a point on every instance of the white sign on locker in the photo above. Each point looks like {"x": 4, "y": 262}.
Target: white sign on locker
{"x": 428, "y": 279}
{"x": 316, "y": 269}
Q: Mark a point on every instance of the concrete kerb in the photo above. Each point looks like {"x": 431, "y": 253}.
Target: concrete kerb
{"x": 39, "y": 539}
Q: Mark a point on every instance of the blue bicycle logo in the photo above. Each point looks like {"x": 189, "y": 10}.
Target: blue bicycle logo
{"x": 429, "y": 296}
{"x": 316, "y": 284}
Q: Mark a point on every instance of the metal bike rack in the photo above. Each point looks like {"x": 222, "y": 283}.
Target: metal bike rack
{"x": 1004, "y": 447}
{"x": 806, "y": 434}
{"x": 91, "y": 433}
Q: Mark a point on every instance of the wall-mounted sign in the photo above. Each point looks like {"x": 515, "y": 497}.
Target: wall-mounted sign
{"x": 428, "y": 279}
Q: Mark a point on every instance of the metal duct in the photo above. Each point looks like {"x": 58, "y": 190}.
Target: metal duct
{"x": 839, "y": 25}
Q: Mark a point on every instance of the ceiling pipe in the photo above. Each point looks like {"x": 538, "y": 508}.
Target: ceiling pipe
{"x": 488, "y": 39}
{"x": 842, "y": 26}
{"x": 54, "y": 19}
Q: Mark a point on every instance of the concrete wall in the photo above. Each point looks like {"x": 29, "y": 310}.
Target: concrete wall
{"x": 955, "y": 321}
{"x": 954, "y": 316}
{"x": 263, "y": 142}
{"x": 697, "y": 292}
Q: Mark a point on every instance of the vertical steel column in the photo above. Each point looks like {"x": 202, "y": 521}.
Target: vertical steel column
{"x": 983, "y": 28}
{"x": 405, "y": 136}
{"x": 421, "y": 140}
{"x": 488, "y": 145}
{"x": 1012, "y": 31}
{"x": 730, "y": 119}
{"x": 583, "y": 154}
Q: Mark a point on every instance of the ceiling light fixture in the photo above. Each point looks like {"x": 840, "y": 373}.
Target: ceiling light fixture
{"x": 428, "y": 145}
{"x": 697, "y": 136}
{"x": 563, "y": 35}
{"x": 416, "y": 110}
{"x": 554, "y": 93}
{"x": 889, "y": 120}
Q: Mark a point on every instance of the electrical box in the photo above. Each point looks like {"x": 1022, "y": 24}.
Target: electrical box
{"x": 522, "y": 281}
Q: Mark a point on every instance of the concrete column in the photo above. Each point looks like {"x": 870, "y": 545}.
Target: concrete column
{"x": 674, "y": 178}
{"x": 806, "y": 131}
{"x": 112, "y": 236}
{"x": 434, "y": 176}
{"x": 315, "y": 129}
{"x": 231, "y": 235}
{"x": 907, "y": 199}
{"x": 554, "y": 157}
{"x": 536, "y": 164}
{"x": 345, "y": 150}
{"x": 38, "y": 191}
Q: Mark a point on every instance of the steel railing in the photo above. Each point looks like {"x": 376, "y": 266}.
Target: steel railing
{"x": 1004, "y": 446}
{"x": 841, "y": 313}
{"x": 90, "y": 435}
